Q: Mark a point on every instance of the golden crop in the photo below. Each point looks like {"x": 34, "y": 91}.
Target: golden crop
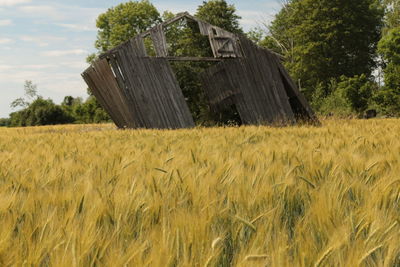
{"x": 248, "y": 196}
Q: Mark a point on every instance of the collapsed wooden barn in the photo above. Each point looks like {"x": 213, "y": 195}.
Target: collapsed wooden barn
{"x": 141, "y": 91}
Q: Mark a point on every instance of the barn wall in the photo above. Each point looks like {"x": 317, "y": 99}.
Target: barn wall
{"x": 259, "y": 85}
{"x": 259, "y": 92}
{"x": 104, "y": 87}
{"x": 138, "y": 92}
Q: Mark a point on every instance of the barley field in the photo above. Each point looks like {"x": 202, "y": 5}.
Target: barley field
{"x": 91, "y": 195}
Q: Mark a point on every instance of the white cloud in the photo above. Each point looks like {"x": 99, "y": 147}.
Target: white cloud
{"x": 41, "y": 41}
{"x": 39, "y": 66}
{"x": 6, "y": 41}
{"x": 58, "y": 53}
{"x": 41, "y": 11}
{"x": 50, "y": 81}
{"x": 37, "y": 41}
{"x": 77, "y": 27}
{"x": 252, "y": 18}
{"x": 5, "y": 22}
{"x": 5, "y": 68}
{"x": 79, "y": 65}
{"x": 175, "y": 7}
{"x": 61, "y": 13}
{"x": 13, "y": 2}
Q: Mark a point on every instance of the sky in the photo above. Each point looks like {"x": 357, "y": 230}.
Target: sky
{"x": 47, "y": 41}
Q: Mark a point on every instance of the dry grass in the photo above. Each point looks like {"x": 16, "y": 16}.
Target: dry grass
{"x": 251, "y": 196}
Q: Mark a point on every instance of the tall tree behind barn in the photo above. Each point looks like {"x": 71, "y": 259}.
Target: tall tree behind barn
{"x": 140, "y": 91}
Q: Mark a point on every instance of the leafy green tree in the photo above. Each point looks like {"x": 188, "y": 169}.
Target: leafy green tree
{"x": 388, "y": 98}
{"x": 221, "y": 14}
{"x": 392, "y": 14}
{"x": 325, "y": 39}
{"x": 4, "y": 122}
{"x": 90, "y": 112}
{"x": 349, "y": 96}
{"x": 40, "y": 112}
{"x": 123, "y": 22}
{"x": 36, "y": 110}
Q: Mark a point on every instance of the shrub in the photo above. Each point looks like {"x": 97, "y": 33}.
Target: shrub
{"x": 40, "y": 112}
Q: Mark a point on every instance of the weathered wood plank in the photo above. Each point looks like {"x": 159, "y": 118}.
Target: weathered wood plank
{"x": 95, "y": 79}
{"x": 205, "y": 59}
{"x": 159, "y": 40}
{"x": 153, "y": 88}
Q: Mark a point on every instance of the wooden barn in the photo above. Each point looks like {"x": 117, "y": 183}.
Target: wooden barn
{"x": 141, "y": 91}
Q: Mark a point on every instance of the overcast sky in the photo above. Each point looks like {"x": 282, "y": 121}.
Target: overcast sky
{"x": 47, "y": 41}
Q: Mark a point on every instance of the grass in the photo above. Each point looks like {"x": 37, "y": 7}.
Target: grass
{"x": 249, "y": 196}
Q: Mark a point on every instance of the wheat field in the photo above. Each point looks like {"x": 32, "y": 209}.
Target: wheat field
{"x": 91, "y": 195}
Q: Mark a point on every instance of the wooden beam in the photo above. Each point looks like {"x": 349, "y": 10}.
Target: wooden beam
{"x": 168, "y": 22}
{"x": 209, "y": 59}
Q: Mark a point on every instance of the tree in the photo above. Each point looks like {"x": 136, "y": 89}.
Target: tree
{"x": 30, "y": 95}
{"x": 123, "y": 22}
{"x": 349, "y": 97}
{"x": 40, "y": 112}
{"x": 89, "y": 111}
{"x": 221, "y": 14}
{"x": 388, "y": 99}
{"x": 392, "y": 14}
{"x": 326, "y": 39}
{"x": 4, "y": 122}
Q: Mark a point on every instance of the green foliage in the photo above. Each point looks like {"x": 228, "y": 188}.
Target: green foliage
{"x": 36, "y": 111}
{"x": 389, "y": 46}
{"x": 347, "y": 97}
{"x": 91, "y": 58}
{"x": 388, "y": 102}
{"x": 45, "y": 112}
{"x": 89, "y": 111}
{"x": 219, "y": 13}
{"x": 40, "y": 112}
{"x": 325, "y": 39}
{"x": 392, "y": 14}
{"x": 388, "y": 99}
{"x": 4, "y": 122}
{"x": 123, "y": 22}
{"x": 357, "y": 91}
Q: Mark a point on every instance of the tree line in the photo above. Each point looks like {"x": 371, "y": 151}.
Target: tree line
{"x": 36, "y": 110}
{"x": 343, "y": 55}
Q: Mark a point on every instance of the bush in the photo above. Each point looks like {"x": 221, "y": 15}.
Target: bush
{"x": 350, "y": 96}
{"x": 40, "y": 112}
{"x": 4, "y": 122}
{"x": 387, "y": 102}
